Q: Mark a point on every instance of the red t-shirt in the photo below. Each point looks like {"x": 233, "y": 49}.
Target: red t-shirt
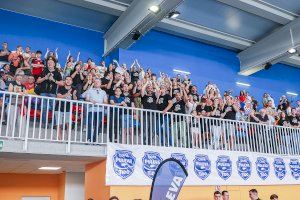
{"x": 37, "y": 66}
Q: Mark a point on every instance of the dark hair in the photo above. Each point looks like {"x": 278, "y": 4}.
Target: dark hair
{"x": 38, "y": 51}
{"x": 225, "y": 191}
{"x": 253, "y": 190}
{"x": 113, "y": 198}
{"x": 273, "y": 196}
{"x": 217, "y": 192}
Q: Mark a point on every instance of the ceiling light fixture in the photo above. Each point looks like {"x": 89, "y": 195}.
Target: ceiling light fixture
{"x": 292, "y": 93}
{"x": 180, "y": 71}
{"x": 292, "y": 50}
{"x": 50, "y": 168}
{"x": 174, "y": 14}
{"x": 243, "y": 84}
{"x": 154, "y": 9}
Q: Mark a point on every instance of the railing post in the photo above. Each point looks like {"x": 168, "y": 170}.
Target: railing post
{"x": 25, "y": 146}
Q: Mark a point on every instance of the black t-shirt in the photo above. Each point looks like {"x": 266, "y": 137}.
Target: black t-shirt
{"x": 48, "y": 86}
{"x": 111, "y": 91}
{"x": 262, "y": 118}
{"x": 283, "y": 122}
{"x": 134, "y": 76}
{"x": 128, "y": 99}
{"x": 294, "y": 120}
{"x": 230, "y": 112}
{"x": 195, "y": 96}
{"x": 4, "y": 58}
{"x": 77, "y": 80}
{"x": 217, "y": 114}
{"x": 149, "y": 102}
{"x": 175, "y": 91}
{"x": 17, "y": 87}
{"x": 179, "y": 107}
{"x": 163, "y": 102}
{"x": 208, "y": 109}
{"x": 200, "y": 109}
{"x": 61, "y": 106}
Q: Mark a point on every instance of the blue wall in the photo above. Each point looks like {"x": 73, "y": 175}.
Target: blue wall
{"x": 164, "y": 52}
{"x": 18, "y": 29}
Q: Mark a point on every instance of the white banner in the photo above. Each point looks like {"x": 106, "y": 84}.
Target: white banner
{"x": 136, "y": 165}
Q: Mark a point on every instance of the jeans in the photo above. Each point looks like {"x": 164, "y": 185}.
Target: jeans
{"x": 94, "y": 125}
{"x": 47, "y": 105}
{"x": 163, "y": 126}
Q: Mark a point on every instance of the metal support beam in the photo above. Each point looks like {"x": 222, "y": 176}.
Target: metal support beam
{"x": 272, "y": 49}
{"x": 137, "y": 19}
{"x": 263, "y": 9}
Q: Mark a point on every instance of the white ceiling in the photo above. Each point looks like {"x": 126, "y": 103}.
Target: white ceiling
{"x": 29, "y": 164}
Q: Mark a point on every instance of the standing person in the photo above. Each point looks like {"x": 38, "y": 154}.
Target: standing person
{"x": 15, "y": 58}
{"x": 62, "y": 109}
{"x": 78, "y": 79}
{"x": 4, "y": 53}
{"x": 149, "y": 99}
{"x": 216, "y": 124}
{"x": 294, "y": 119}
{"x": 229, "y": 112}
{"x": 48, "y": 82}
{"x": 274, "y": 197}
{"x": 37, "y": 65}
{"x": 253, "y": 194}
{"x": 179, "y": 128}
{"x": 164, "y": 104}
{"x": 225, "y": 195}
{"x": 15, "y": 111}
{"x": 217, "y": 195}
{"x": 95, "y": 95}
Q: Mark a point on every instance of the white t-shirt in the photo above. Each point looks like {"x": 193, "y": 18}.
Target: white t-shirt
{"x": 95, "y": 94}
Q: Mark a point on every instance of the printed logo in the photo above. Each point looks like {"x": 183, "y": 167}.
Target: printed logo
{"x": 181, "y": 158}
{"x": 224, "y": 167}
{"x": 202, "y": 166}
{"x": 123, "y": 163}
{"x": 279, "y": 168}
{"x": 295, "y": 168}
{"x": 262, "y": 167}
{"x": 151, "y": 160}
{"x": 244, "y": 167}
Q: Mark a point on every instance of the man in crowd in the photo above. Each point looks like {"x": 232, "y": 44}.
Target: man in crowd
{"x": 4, "y": 53}
{"x": 253, "y": 194}
{"x": 15, "y": 58}
{"x": 48, "y": 82}
{"x": 225, "y": 195}
{"x": 96, "y": 96}
{"x": 273, "y": 197}
{"x": 63, "y": 109}
{"x": 217, "y": 195}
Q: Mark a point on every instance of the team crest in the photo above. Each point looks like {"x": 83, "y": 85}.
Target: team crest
{"x": 295, "y": 168}
{"x": 224, "y": 167}
{"x": 181, "y": 158}
{"x": 279, "y": 168}
{"x": 151, "y": 160}
{"x": 244, "y": 167}
{"x": 123, "y": 163}
{"x": 202, "y": 166}
{"x": 262, "y": 168}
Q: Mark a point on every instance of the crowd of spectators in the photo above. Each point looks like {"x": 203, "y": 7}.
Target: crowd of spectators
{"x": 31, "y": 72}
{"x": 133, "y": 86}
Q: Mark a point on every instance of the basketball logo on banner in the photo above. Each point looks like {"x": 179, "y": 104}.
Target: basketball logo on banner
{"x": 295, "y": 168}
{"x": 181, "y": 158}
{"x": 244, "y": 167}
{"x": 151, "y": 160}
{"x": 262, "y": 167}
{"x": 279, "y": 168}
{"x": 202, "y": 166}
{"x": 123, "y": 163}
{"x": 224, "y": 166}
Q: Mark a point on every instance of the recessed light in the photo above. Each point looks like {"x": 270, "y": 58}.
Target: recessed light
{"x": 243, "y": 84}
{"x": 181, "y": 71}
{"x": 174, "y": 14}
{"x": 292, "y": 93}
{"x": 292, "y": 50}
{"x": 50, "y": 168}
{"x": 154, "y": 9}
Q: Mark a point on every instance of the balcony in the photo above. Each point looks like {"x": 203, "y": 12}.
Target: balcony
{"x": 78, "y": 127}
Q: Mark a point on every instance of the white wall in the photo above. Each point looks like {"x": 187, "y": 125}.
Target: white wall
{"x": 74, "y": 186}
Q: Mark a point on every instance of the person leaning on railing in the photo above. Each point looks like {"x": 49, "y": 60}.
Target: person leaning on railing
{"x": 96, "y": 96}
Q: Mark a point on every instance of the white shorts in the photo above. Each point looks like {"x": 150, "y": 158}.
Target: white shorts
{"x": 62, "y": 117}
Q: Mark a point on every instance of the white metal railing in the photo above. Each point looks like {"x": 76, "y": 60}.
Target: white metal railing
{"x": 28, "y": 117}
